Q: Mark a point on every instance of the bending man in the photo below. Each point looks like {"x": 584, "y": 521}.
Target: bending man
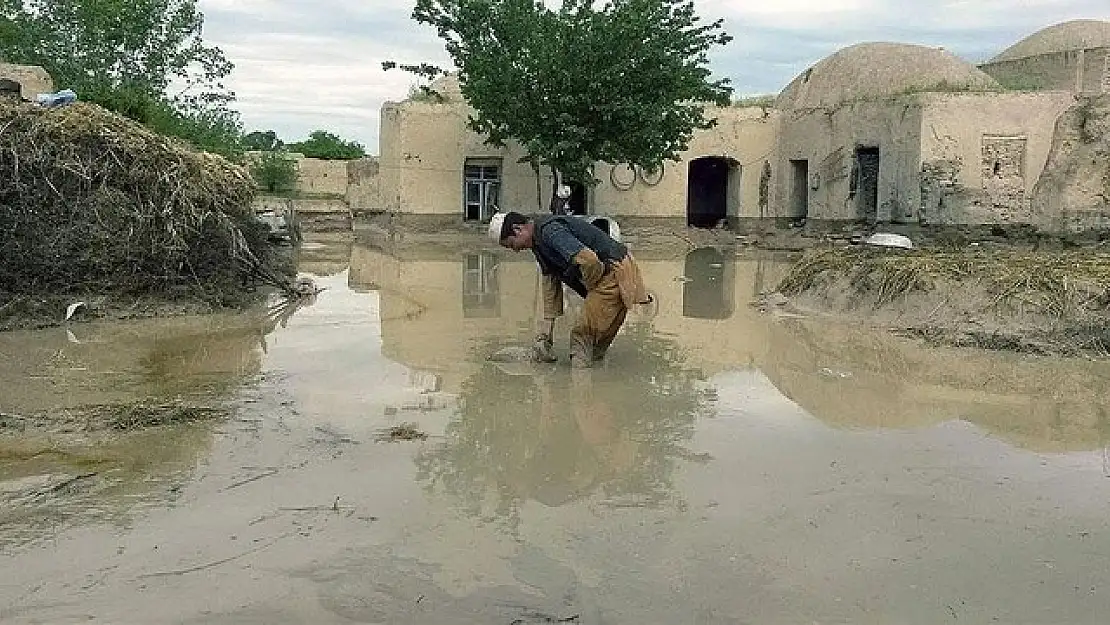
{"x": 574, "y": 252}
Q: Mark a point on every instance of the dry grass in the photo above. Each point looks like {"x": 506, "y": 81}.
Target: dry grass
{"x": 91, "y": 201}
{"x": 1063, "y": 285}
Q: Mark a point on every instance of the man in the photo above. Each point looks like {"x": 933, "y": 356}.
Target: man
{"x": 574, "y": 252}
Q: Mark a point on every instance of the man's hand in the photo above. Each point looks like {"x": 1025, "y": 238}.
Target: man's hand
{"x": 541, "y": 349}
{"x": 593, "y": 270}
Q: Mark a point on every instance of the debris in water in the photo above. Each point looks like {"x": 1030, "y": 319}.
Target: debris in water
{"x": 72, "y": 308}
{"x": 841, "y": 375}
{"x": 142, "y": 415}
{"x": 403, "y": 432}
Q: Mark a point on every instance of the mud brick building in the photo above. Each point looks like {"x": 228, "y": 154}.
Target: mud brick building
{"x": 877, "y": 132}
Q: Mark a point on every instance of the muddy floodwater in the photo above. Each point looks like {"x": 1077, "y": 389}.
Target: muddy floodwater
{"x": 362, "y": 461}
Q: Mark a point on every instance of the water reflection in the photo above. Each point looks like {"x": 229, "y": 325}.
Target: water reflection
{"x": 709, "y": 290}
{"x": 195, "y": 360}
{"x": 853, "y": 377}
{"x": 556, "y": 436}
{"x": 842, "y": 374}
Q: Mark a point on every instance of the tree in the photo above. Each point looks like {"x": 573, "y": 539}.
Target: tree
{"x": 267, "y": 141}
{"x": 626, "y": 82}
{"x": 323, "y": 144}
{"x": 145, "y": 59}
{"x": 275, "y": 171}
{"x": 153, "y": 45}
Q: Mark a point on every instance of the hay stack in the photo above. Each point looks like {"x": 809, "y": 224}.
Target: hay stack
{"x": 91, "y": 202}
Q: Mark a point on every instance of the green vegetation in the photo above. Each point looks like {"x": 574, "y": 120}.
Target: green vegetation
{"x": 144, "y": 59}
{"x": 275, "y": 171}
{"x": 260, "y": 141}
{"x": 520, "y": 66}
{"x": 325, "y": 145}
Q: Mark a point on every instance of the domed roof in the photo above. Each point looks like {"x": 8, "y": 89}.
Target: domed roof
{"x": 447, "y": 87}
{"x": 1074, "y": 35}
{"x": 870, "y": 70}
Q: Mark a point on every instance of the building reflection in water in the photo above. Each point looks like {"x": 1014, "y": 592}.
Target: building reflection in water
{"x": 708, "y": 291}
{"x": 522, "y": 437}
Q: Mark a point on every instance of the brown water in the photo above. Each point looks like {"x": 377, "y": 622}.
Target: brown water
{"x": 723, "y": 467}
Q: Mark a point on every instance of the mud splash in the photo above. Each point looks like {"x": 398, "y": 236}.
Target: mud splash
{"x": 723, "y": 466}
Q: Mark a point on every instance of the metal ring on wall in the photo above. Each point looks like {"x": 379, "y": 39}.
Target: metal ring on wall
{"x": 623, "y": 186}
{"x": 655, "y": 176}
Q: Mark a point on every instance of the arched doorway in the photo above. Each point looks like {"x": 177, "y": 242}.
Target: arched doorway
{"x": 713, "y": 191}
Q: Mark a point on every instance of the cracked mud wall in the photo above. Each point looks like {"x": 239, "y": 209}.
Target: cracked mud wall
{"x": 1073, "y": 194}
{"x": 982, "y": 154}
{"x": 829, "y": 139}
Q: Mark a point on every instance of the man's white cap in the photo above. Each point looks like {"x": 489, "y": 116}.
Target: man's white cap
{"x": 495, "y": 224}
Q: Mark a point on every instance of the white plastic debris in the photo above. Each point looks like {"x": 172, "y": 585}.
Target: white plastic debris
{"x": 72, "y": 308}
{"x": 883, "y": 239}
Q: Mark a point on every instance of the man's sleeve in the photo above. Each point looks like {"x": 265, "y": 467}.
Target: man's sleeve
{"x": 552, "y": 297}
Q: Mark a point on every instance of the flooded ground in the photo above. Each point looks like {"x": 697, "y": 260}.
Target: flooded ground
{"x": 373, "y": 467}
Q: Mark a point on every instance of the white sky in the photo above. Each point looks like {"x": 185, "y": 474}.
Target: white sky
{"x": 305, "y": 64}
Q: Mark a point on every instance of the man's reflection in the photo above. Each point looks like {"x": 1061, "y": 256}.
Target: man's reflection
{"x": 556, "y": 436}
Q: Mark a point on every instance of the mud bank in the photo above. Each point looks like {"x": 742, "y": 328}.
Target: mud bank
{"x": 1005, "y": 299}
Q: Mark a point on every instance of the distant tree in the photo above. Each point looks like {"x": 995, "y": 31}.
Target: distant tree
{"x": 623, "y": 82}
{"x": 258, "y": 140}
{"x": 275, "y": 171}
{"x": 325, "y": 145}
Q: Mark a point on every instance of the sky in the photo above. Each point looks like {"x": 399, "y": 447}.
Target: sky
{"x": 302, "y": 65}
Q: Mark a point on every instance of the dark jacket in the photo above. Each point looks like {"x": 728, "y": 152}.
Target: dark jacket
{"x": 558, "y": 239}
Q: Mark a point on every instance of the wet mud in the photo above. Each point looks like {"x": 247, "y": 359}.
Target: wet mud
{"x": 361, "y": 459}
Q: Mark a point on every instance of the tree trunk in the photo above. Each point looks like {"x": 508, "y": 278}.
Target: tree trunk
{"x": 558, "y": 204}
{"x": 539, "y": 186}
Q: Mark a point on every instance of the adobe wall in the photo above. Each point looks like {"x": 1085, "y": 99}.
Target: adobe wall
{"x": 982, "y": 154}
{"x": 828, "y": 140}
{"x": 424, "y": 149}
{"x": 1080, "y": 71}
{"x": 321, "y": 177}
{"x": 1073, "y": 192}
{"x": 746, "y": 136}
{"x": 32, "y": 79}
{"x": 364, "y": 185}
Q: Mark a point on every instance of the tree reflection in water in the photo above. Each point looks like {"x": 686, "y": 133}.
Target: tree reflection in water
{"x": 556, "y": 436}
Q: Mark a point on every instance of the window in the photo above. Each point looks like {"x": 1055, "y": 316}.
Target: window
{"x": 482, "y": 189}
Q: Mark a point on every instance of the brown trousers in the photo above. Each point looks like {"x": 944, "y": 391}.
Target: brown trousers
{"x": 605, "y": 309}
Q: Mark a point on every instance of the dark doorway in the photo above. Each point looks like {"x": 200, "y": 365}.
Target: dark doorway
{"x": 577, "y": 203}
{"x": 10, "y": 89}
{"x": 799, "y": 189}
{"x": 713, "y": 191}
{"x": 867, "y": 184}
{"x": 709, "y": 294}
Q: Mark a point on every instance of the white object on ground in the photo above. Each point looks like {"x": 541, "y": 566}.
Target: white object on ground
{"x": 495, "y": 224}
{"x": 882, "y": 239}
{"x": 72, "y": 309}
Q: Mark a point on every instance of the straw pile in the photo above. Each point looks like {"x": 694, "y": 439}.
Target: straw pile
{"x": 91, "y": 202}
{"x": 1057, "y": 296}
